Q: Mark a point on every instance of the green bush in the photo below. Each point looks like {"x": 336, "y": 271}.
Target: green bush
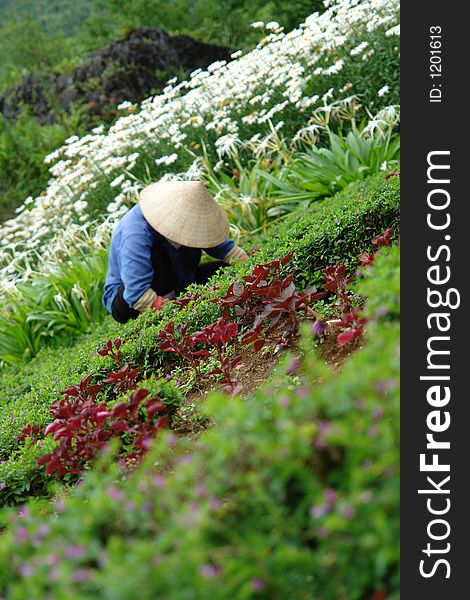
{"x": 294, "y": 493}
{"x": 386, "y": 300}
{"x": 337, "y": 230}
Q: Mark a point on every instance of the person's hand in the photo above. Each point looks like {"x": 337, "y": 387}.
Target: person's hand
{"x": 161, "y": 300}
{"x": 158, "y": 303}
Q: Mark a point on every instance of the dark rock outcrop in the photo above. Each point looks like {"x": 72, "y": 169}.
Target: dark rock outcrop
{"x": 128, "y": 69}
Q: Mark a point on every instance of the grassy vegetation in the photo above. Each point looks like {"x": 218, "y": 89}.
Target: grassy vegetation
{"x": 336, "y": 230}
{"x": 288, "y": 490}
{"x": 290, "y": 495}
{"x": 57, "y": 35}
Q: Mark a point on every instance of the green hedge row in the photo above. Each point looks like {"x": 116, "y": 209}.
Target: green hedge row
{"x": 335, "y": 230}
{"x": 294, "y": 493}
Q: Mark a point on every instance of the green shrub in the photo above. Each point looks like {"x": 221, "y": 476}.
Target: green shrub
{"x": 322, "y": 172}
{"x": 294, "y": 493}
{"x": 382, "y": 288}
{"x": 337, "y": 230}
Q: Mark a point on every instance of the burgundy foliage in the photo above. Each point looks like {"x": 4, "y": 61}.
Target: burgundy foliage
{"x": 269, "y": 304}
{"x": 217, "y": 335}
{"x": 83, "y": 426}
{"x": 108, "y": 350}
{"x": 337, "y": 282}
{"x": 354, "y": 323}
{"x": 384, "y": 239}
{"x": 30, "y": 431}
{"x": 266, "y": 303}
{"x": 183, "y": 345}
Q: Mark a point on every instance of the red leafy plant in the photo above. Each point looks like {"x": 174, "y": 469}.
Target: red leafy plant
{"x": 83, "y": 426}
{"x": 337, "y": 282}
{"x": 183, "y": 345}
{"x": 269, "y": 304}
{"x": 185, "y": 300}
{"x": 113, "y": 351}
{"x": 266, "y": 302}
{"x": 383, "y": 239}
{"x": 217, "y": 335}
{"x": 354, "y": 322}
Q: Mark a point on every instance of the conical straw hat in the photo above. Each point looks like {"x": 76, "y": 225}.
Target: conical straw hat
{"x": 184, "y": 212}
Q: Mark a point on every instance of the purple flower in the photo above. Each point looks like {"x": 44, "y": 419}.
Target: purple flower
{"x": 377, "y": 413}
{"x": 284, "y": 401}
{"x": 330, "y": 496}
{"x": 214, "y": 503}
{"x": 74, "y": 551}
{"x": 186, "y": 458}
{"x": 115, "y": 493}
{"x": 171, "y": 440}
{"x": 318, "y": 328}
{"x": 200, "y": 491}
{"x": 159, "y": 480}
{"x": 381, "y": 311}
{"x": 59, "y": 506}
{"x": 322, "y": 532}
{"x": 373, "y": 431}
{"x": 257, "y": 584}
{"x": 209, "y": 571}
{"x": 360, "y": 403}
{"x": 81, "y": 575}
{"x": 130, "y": 506}
{"x": 318, "y": 511}
{"x": 293, "y": 366}
{"x": 52, "y": 560}
{"x": 302, "y": 393}
{"x": 42, "y": 531}
{"x": 348, "y": 512}
{"x": 26, "y": 570}
{"x": 22, "y": 534}
{"x": 381, "y": 387}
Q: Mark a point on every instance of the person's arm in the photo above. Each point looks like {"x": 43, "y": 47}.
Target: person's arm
{"x": 227, "y": 251}
{"x": 137, "y": 272}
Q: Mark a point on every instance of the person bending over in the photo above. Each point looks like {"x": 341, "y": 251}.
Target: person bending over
{"x": 156, "y": 247}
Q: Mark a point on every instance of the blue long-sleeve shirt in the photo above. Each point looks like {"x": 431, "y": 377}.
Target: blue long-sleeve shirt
{"x": 130, "y": 258}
